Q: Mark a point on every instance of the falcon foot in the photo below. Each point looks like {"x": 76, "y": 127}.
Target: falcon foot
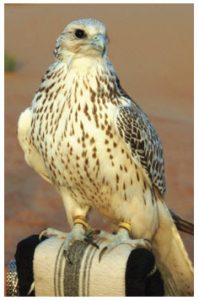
{"x": 89, "y": 238}
{"x": 81, "y": 231}
{"x": 49, "y": 232}
{"x": 78, "y": 233}
{"x": 122, "y": 237}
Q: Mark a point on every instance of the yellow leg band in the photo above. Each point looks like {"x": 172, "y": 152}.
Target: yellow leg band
{"x": 125, "y": 225}
{"x": 81, "y": 220}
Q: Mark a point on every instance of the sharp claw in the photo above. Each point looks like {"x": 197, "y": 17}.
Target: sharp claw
{"x": 66, "y": 254}
{"x": 89, "y": 237}
{"x": 50, "y": 232}
{"x": 42, "y": 234}
{"x": 94, "y": 232}
{"x": 89, "y": 240}
{"x": 149, "y": 243}
{"x": 95, "y": 245}
{"x": 102, "y": 252}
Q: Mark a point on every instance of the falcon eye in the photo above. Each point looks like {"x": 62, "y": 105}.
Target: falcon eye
{"x": 80, "y": 34}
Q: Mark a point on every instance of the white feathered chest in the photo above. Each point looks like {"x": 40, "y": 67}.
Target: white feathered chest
{"x": 73, "y": 129}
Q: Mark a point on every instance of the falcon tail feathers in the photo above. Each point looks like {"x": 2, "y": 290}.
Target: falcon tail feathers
{"x": 182, "y": 224}
{"x": 171, "y": 256}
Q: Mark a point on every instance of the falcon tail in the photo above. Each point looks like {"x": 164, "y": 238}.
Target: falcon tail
{"x": 171, "y": 256}
{"x": 181, "y": 224}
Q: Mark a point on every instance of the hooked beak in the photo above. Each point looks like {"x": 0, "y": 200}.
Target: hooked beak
{"x": 99, "y": 42}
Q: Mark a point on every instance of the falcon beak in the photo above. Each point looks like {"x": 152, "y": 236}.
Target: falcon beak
{"x": 99, "y": 42}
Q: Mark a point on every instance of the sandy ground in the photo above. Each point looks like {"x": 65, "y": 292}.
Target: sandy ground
{"x": 151, "y": 48}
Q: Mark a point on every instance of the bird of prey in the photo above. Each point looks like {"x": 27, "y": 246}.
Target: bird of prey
{"x": 89, "y": 139}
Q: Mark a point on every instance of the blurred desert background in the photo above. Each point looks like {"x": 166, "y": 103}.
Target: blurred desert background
{"x": 151, "y": 48}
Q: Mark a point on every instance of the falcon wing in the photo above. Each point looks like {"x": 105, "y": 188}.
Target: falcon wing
{"x": 137, "y": 131}
{"x": 32, "y": 156}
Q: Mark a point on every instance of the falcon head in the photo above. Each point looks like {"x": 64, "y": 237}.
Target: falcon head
{"x": 85, "y": 37}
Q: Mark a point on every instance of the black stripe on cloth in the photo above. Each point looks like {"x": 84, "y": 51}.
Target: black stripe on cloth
{"x": 72, "y": 268}
{"x": 87, "y": 268}
{"x": 57, "y": 272}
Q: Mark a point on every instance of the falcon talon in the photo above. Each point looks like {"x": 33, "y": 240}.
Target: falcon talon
{"x": 67, "y": 256}
{"x": 42, "y": 234}
{"x": 90, "y": 234}
{"x": 93, "y": 232}
{"x": 90, "y": 242}
{"x": 102, "y": 252}
{"x": 89, "y": 239}
{"x": 50, "y": 232}
{"x": 148, "y": 241}
{"x": 95, "y": 245}
{"x": 149, "y": 244}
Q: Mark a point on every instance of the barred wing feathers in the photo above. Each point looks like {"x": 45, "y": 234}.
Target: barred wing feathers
{"x": 138, "y": 132}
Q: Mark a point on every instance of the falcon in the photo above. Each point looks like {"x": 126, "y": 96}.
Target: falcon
{"x": 89, "y": 139}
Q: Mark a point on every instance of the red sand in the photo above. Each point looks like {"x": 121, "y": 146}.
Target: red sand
{"x": 152, "y": 50}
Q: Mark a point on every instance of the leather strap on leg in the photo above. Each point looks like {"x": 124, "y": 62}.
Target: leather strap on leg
{"x": 81, "y": 220}
{"x": 125, "y": 225}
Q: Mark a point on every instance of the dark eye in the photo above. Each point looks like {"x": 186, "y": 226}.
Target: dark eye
{"x": 80, "y": 34}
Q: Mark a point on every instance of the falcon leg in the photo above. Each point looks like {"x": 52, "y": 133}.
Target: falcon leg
{"x": 77, "y": 233}
{"x": 81, "y": 231}
{"x": 122, "y": 237}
